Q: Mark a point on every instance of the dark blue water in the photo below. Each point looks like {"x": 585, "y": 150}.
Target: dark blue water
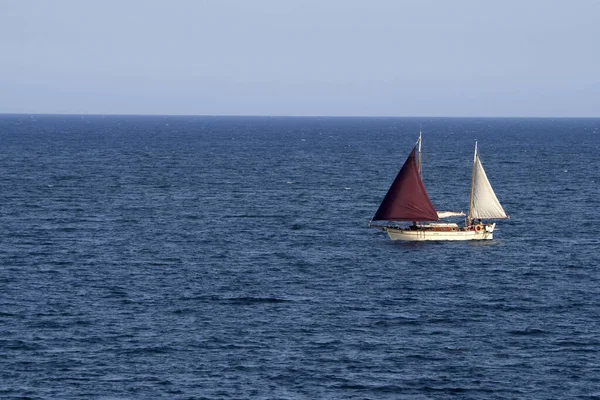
{"x": 199, "y": 257}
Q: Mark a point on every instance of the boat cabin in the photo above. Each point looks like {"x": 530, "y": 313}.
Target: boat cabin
{"x": 438, "y": 227}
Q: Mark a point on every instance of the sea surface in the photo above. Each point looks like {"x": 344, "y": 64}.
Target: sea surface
{"x": 231, "y": 258}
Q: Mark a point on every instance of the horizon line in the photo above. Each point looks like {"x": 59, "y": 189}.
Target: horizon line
{"x": 289, "y": 116}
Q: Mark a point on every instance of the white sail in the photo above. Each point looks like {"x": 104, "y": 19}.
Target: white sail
{"x": 485, "y": 203}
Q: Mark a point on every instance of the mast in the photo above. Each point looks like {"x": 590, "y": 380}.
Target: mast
{"x": 419, "y": 159}
{"x": 472, "y": 186}
{"x": 419, "y": 143}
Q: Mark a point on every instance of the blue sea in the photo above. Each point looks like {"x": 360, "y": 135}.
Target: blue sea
{"x": 151, "y": 257}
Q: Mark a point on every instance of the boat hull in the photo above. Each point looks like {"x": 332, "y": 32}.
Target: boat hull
{"x": 486, "y": 233}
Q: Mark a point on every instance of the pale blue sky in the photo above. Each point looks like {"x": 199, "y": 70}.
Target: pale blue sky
{"x": 301, "y": 57}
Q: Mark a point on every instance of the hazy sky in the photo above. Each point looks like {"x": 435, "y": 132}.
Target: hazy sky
{"x": 301, "y": 57}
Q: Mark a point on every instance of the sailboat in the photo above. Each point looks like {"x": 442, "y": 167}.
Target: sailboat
{"x": 407, "y": 200}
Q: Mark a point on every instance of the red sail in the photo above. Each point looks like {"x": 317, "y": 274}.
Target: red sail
{"x": 407, "y": 200}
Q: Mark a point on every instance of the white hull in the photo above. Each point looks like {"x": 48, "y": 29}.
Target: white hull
{"x": 486, "y": 233}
